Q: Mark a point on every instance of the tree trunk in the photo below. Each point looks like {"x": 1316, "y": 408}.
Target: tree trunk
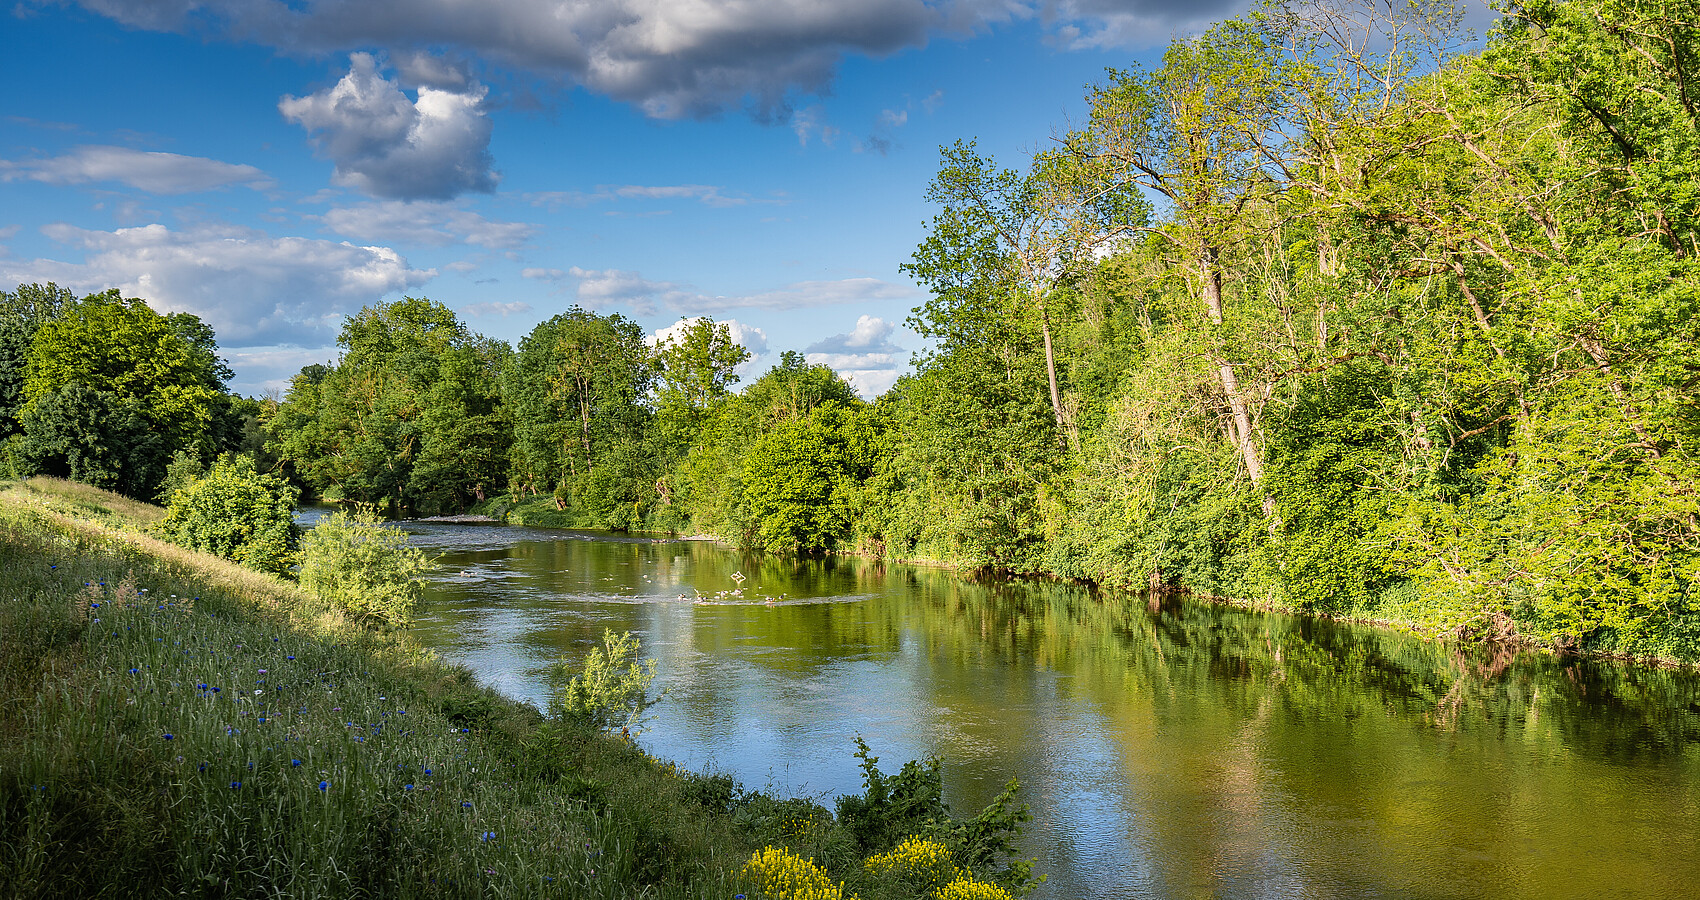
{"x": 1243, "y": 438}
{"x": 1051, "y": 373}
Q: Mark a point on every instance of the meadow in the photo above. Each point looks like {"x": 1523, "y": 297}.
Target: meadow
{"x": 173, "y": 724}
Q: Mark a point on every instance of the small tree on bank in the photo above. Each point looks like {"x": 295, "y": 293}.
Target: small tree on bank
{"x": 238, "y": 513}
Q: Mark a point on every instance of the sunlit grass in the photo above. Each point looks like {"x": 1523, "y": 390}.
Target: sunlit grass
{"x": 172, "y": 724}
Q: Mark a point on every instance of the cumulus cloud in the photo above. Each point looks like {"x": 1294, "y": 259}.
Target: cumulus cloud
{"x": 865, "y": 357}
{"x": 433, "y": 148}
{"x": 154, "y": 172}
{"x": 672, "y": 59}
{"x": 1105, "y": 24}
{"x": 744, "y": 334}
{"x": 424, "y": 222}
{"x": 748, "y": 336}
{"x": 252, "y": 288}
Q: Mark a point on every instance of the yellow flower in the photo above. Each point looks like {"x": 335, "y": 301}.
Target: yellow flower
{"x": 780, "y": 874}
{"x": 969, "y": 889}
{"x": 917, "y": 861}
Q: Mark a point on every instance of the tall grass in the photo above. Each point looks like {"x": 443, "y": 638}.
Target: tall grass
{"x": 172, "y": 724}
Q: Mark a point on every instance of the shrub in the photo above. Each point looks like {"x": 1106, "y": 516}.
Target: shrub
{"x": 237, "y": 513}
{"x": 355, "y": 563}
{"x": 612, "y": 688}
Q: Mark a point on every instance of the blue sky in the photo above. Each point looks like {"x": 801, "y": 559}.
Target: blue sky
{"x": 273, "y": 166}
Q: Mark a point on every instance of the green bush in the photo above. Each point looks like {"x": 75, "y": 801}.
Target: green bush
{"x": 353, "y": 562}
{"x": 237, "y": 513}
{"x": 610, "y": 690}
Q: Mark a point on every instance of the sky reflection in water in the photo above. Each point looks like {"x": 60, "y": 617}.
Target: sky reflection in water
{"x": 1178, "y": 750}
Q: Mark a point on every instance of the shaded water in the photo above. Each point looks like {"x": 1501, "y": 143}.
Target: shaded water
{"x": 1172, "y": 750}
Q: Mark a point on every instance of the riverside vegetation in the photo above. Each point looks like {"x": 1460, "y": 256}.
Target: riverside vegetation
{"x": 1334, "y": 309}
{"x": 174, "y": 724}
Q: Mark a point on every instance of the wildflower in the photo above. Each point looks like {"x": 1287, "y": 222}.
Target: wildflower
{"x": 169, "y": 736}
{"x": 295, "y": 763}
{"x": 236, "y": 784}
{"x": 291, "y": 657}
{"x": 134, "y": 671}
{"x": 487, "y": 836}
{"x": 427, "y": 771}
{"x": 407, "y": 787}
{"x": 466, "y": 804}
{"x": 324, "y": 785}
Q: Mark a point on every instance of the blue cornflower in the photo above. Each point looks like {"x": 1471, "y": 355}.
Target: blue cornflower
{"x": 236, "y": 784}
{"x": 487, "y": 836}
{"x": 169, "y": 736}
{"x": 407, "y": 787}
{"x": 295, "y": 763}
{"x": 324, "y": 785}
{"x": 427, "y": 771}
{"x": 134, "y": 671}
{"x": 466, "y": 804}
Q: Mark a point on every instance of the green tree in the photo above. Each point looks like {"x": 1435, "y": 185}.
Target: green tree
{"x": 166, "y": 365}
{"x": 95, "y": 437}
{"x": 356, "y": 563}
{"x": 22, "y": 312}
{"x": 802, "y": 478}
{"x": 238, "y": 513}
{"x": 576, "y": 393}
{"x": 411, "y": 417}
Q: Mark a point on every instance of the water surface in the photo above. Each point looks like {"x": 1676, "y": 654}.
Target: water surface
{"x": 1168, "y": 750}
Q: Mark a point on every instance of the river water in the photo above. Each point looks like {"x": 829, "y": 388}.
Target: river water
{"x": 1167, "y": 750}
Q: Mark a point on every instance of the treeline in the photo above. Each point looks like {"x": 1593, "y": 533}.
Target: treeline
{"x": 1319, "y": 311}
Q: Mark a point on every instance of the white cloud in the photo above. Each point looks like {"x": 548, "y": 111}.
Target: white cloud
{"x": 386, "y": 145}
{"x": 748, "y": 336}
{"x": 262, "y": 369}
{"x": 154, "y": 172}
{"x": 486, "y": 310}
{"x": 743, "y": 334}
{"x": 424, "y": 222}
{"x": 543, "y": 274}
{"x": 706, "y": 194}
{"x": 252, "y": 288}
{"x": 865, "y": 357}
{"x": 614, "y": 287}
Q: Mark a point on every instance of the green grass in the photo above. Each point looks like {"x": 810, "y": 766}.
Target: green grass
{"x": 172, "y": 724}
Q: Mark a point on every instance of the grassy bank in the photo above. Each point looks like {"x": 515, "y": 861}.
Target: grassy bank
{"x": 172, "y": 724}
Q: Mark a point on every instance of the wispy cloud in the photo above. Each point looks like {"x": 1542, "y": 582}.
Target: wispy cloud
{"x": 706, "y": 194}
{"x": 154, "y": 172}
{"x": 615, "y": 287}
{"x": 424, "y": 222}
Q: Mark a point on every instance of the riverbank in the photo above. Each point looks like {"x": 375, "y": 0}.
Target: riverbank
{"x": 172, "y": 724}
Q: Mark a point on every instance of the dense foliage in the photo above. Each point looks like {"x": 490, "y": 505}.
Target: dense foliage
{"x": 238, "y": 513}
{"x": 355, "y": 563}
{"x": 1333, "y": 308}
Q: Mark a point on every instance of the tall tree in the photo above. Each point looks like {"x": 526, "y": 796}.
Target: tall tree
{"x": 577, "y": 392}
{"x": 1196, "y": 132}
{"x": 410, "y": 417}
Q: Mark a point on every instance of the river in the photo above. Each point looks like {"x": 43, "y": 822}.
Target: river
{"x": 1167, "y": 750}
